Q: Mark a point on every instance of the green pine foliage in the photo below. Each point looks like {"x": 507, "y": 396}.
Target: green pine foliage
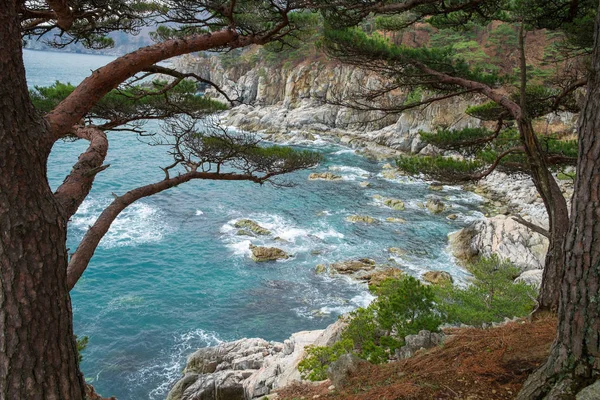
{"x": 145, "y": 101}
{"x": 491, "y": 296}
{"x": 405, "y": 306}
{"x": 439, "y": 167}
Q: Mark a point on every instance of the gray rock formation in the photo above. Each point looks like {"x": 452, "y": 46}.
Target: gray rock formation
{"x": 343, "y": 368}
{"x": 248, "y": 368}
{"x": 422, "y": 340}
{"x": 532, "y": 277}
{"x": 591, "y": 392}
{"x": 503, "y": 236}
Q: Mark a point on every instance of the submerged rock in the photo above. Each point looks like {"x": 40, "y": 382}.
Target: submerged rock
{"x": 396, "y": 204}
{"x": 361, "y": 218}
{"x": 396, "y": 220}
{"x": 249, "y": 225}
{"x": 438, "y": 277}
{"x": 396, "y": 251}
{"x": 352, "y": 266}
{"x": 260, "y": 253}
{"x": 320, "y": 269}
{"x": 436, "y": 206}
{"x": 325, "y": 176}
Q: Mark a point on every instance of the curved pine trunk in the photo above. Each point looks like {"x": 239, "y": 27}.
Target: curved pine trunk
{"x": 558, "y": 218}
{"x": 574, "y": 361}
{"x": 38, "y": 355}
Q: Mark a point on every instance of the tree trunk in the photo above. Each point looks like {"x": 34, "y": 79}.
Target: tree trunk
{"x": 574, "y": 361}
{"x": 38, "y": 354}
{"x": 558, "y": 218}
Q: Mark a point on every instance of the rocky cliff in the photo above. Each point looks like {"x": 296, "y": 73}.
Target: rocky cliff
{"x": 302, "y": 97}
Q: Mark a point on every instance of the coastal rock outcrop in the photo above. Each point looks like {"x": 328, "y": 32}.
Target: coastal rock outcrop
{"x": 365, "y": 219}
{"x": 261, "y": 254}
{"x": 503, "y": 236}
{"x": 248, "y": 368}
{"x": 246, "y": 225}
{"x": 325, "y": 176}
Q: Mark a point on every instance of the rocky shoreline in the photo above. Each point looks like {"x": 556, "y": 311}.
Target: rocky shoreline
{"x": 290, "y": 110}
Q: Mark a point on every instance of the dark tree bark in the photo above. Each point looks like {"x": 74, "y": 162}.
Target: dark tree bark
{"x": 38, "y": 354}
{"x": 574, "y": 361}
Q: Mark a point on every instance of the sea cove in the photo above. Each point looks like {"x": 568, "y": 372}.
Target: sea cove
{"x": 172, "y": 274}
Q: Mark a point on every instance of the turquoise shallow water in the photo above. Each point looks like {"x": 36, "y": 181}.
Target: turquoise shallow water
{"x": 171, "y": 275}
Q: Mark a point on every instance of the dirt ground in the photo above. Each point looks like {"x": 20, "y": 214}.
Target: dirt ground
{"x": 475, "y": 364}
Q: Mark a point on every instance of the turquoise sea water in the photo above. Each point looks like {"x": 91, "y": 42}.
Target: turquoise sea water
{"x": 171, "y": 275}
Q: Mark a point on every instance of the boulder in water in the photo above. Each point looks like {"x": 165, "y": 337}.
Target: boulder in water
{"x": 320, "y": 268}
{"x": 438, "y": 277}
{"x": 396, "y": 220}
{"x": 261, "y": 254}
{"x": 249, "y": 225}
{"x": 396, "y": 204}
{"x": 436, "y": 206}
{"x": 361, "y": 218}
{"x": 364, "y": 184}
{"x": 324, "y": 176}
{"x": 396, "y": 251}
{"x": 436, "y": 187}
{"x": 352, "y": 266}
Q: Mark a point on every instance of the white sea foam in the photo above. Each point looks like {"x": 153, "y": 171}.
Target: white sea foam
{"x": 329, "y": 233}
{"x": 137, "y": 224}
{"x": 344, "y": 151}
{"x": 199, "y": 212}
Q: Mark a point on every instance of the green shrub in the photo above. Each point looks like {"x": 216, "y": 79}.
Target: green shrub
{"x": 314, "y": 365}
{"x": 491, "y": 297}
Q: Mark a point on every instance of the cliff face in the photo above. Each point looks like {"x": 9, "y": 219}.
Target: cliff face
{"x": 303, "y": 97}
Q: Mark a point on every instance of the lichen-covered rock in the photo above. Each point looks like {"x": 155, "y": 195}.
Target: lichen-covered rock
{"x": 246, "y": 225}
{"x": 435, "y": 206}
{"x": 324, "y": 176}
{"x": 437, "y": 277}
{"x": 365, "y": 219}
{"x": 396, "y": 204}
{"x": 352, "y": 266}
{"x": 260, "y": 253}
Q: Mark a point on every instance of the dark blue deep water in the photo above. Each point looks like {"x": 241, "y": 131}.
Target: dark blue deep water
{"x": 171, "y": 275}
